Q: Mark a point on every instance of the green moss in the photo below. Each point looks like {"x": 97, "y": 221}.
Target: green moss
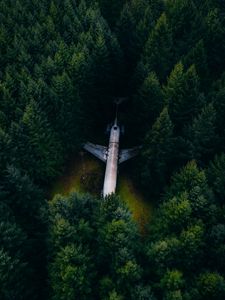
{"x": 141, "y": 208}
{"x": 77, "y": 168}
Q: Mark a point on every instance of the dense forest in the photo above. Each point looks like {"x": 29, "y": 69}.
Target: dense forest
{"x": 63, "y": 62}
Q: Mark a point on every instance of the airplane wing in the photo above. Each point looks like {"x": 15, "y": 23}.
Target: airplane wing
{"x": 97, "y": 150}
{"x": 126, "y": 154}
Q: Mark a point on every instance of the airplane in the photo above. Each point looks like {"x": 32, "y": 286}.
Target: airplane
{"x": 112, "y": 156}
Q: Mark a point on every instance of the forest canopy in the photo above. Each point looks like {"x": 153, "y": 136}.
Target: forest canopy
{"x": 63, "y": 62}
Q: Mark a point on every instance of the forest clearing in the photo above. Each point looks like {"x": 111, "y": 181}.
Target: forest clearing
{"x": 85, "y": 174}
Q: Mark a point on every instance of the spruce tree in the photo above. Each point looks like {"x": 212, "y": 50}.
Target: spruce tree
{"x": 69, "y": 242}
{"x": 156, "y": 154}
{"x": 23, "y": 197}
{"x": 202, "y": 134}
{"x": 79, "y": 67}
{"x": 16, "y": 274}
{"x": 68, "y": 105}
{"x": 186, "y": 24}
{"x": 187, "y": 180}
{"x": 193, "y": 181}
{"x": 218, "y": 99}
{"x": 46, "y": 148}
{"x": 148, "y": 103}
{"x": 214, "y": 35}
{"x": 70, "y": 274}
{"x": 5, "y": 149}
{"x": 118, "y": 240}
{"x": 100, "y": 84}
{"x": 216, "y": 177}
{"x": 157, "y": 54}
{"x": 136, "y": 20}
{"x": 210, "y": 286}
{"x": 198, "y": 56}
{"x": 182, "y": 95}
{"x": 7, "y": 87}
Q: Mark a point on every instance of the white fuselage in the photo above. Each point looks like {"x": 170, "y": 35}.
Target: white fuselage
{"x": 112, "y": 161}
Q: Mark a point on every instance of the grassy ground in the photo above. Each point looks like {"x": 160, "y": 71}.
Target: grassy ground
{"x": 140, "y": 208}
{"x": 71, "y": 180}
{"x": 84, "y": 165}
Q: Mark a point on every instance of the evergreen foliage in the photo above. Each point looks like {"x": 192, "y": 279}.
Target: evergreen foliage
{"x": 148, "y": 102}
{"x": 157, "y": 55}
{"x": 202, "y": 134}
{"x": 93, "y": 246}
{"x": 62, "y": 65}
{"x": 156, "y": 153}
{"x": 182, "y": 95}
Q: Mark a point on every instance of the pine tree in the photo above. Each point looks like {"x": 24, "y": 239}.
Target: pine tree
{"x": 148, "y": 103}
{"x": 175, "y": 214}
{"x": 5, "y": 149}
{"x": 157, "y": 55}
{"x": 182, "y": 95}
{"x": 79, "y": 67}
{"x": 4, "y": 41}
{"x": 8, "y": 101}
{"x": 156, "y": 154}
{"x": 218, "y": 98}
{"x": 53, "y": 11}
{"x": 186, "y": 24}
{"x": 71, "y": 264}
{"x": 47, "y": 151}
{"x": 137, "y": 19}
{"x": 186, "y": 180}
{"x": 214, "y": 35}
{"x": 118, "y": 242}
{"x": 101, "y": 64}
{"x": 98, "y": 97}
{"x": 172, "y": 284}
{"x": 197, "y": 56}
{"x": 23, "y": 197}
{"x": 202, "y": 135}
{"x": 216, "y": 177}
{"x": 70, "y": 274}
{"x": 215, "y": 243}
{"x": 68, "y": 110}
{"x": 61, "y": 57}
{"x": 192, "y": 181}
{"x": 210, "y": 286}
{"x": 69, "y": 9}
{"x": 16, "y": 274}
